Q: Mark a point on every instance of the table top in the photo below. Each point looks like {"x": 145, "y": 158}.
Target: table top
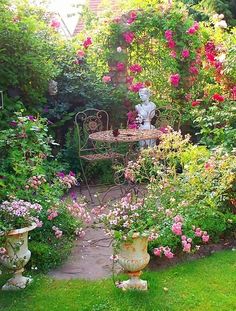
{"x": 126, "y": 135}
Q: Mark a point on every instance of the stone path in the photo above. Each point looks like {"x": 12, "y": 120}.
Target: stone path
{"x": 90, "y": 257}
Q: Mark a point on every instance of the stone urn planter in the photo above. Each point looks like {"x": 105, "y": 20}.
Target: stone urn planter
{"x": 16, "y": 257}
{"x": 133, "y": 257}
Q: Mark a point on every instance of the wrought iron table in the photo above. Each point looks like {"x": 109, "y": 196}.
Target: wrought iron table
{"x": 130, "y": 136}
{"x": 126, "y": 135}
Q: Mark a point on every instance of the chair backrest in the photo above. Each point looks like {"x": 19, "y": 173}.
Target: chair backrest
{"x": 166, "y": 116}
{"x": 87, "y": 122}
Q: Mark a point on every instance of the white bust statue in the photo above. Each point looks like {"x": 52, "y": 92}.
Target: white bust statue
{"x": 146, "y": 111}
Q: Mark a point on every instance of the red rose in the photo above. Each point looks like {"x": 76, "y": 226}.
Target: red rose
{"x": 218, "y": 97}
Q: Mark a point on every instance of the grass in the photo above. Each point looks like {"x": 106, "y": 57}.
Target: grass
{"x": 203, "y": 285}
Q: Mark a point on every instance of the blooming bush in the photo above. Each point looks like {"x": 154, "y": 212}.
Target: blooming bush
{"x": 193, "y": 190}
{"x": 18, "y": 214}
{"x": 129, "y": 217}
{"x": 28, "y": 175}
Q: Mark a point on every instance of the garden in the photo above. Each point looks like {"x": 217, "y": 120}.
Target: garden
{"x": 78, "y": 227}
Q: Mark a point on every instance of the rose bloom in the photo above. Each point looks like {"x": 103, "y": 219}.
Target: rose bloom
{"x": 120, "y": 66}
{"x": 173, "y": 54}
{"x": 174, "y": 79}
{"x": 168, "y": 35}
{"x": 196, "y": 103}
{"x": 185, "y": 53}
{"x": 136, "y": 87}
{"x": 171, "y": 44}
{"x": 136, "y": 68}
{"x": 80, "y": 53}
{"x": 218, "y": 97}
{"x": 55, "y": 23}
{"x": 87, "y": 42}
{"x": 106, "y": 79}
{"x": 128, "y": 37}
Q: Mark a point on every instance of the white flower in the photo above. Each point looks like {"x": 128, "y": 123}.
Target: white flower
{"x": 221, "y": 24}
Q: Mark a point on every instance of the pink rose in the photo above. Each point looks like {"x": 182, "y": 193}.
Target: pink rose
{"x": 198, "y": 232}
{"x": 193, "y": 70}
{"x": 133, "y": 16}
{"x": 205, "y": 237}
{"x": 129, "y": 79}
{"x": 157, "y": 252}
{"x": 55, "y": 23}
{"x": 120, "y": 66}
{"x": 106, "y": 79}
{"x": 169, "y": 254}
{"x": 136, "y": 87}
{"x": 80, "y": 54}
{"x": 128, "y": 37}
{"x": 191, "y": 30}
{"x": 185, "y": 53}
{"x": 87, "y": 42}
{"x": 187, "y": 248}
{"x": 174, "y": 79}
{"x": 136, "y": 68}
{"x": 209, "y": 166}
{"x": 177, "y": 228}
{"x": 171, "y": 44}
{"x": 173, "y": 54}
{"x": 168, "y": 35}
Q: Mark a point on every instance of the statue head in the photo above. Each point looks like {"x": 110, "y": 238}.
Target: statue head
{"x": 144, "y": 94}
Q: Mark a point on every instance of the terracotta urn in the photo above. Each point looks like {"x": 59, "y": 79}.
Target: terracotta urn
{"x": 133, "y": 257}
{"x": 16, "y": 257}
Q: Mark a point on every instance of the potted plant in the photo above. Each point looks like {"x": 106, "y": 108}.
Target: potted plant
{"x": 131, "y": 225}
{"x": 18, "y": 217}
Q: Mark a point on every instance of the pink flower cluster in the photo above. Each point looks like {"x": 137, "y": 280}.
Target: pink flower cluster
{"x": 177, "y": 226}
{"x": 35, "y": 182}
{"x": 52, "y": 214}
{"x": 202, "y": 234}
{"x": 193, "y": 29}
{"x": 80, "y": 232}
{"x": 136, "y": 87}
{"x": 136, "y": 68}
{"x": 169, "y": 38}
{"x": 128, "y": 36}
{"x": 127, "y": 215}
{"x": 67, "y": 180}
{"x": 78, "y": 210}
{"x": 87, "y": 42}
{"x": 19, "y": 213}
{"x": 163, "y": 250}
{"x": 132, "y": 17}
{"x": 55, "y": 23}
{"x": 175, "y": 79}
{"x": 120, "y": 66}
{"x": 186, "y": 243}
{"x": 106, "y": 79}
{"x": 185, "y": 53}
{"x": 58, "y": 233}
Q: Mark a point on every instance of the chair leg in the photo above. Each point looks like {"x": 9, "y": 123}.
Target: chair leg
{"x": 86, "y": 181}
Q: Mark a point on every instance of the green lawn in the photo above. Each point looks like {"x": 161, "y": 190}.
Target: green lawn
{"x": 206, "y": 284}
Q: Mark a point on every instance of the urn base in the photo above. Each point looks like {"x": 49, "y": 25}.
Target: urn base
{"x": 133, "y": 284}
{"x": 17, "y": 282}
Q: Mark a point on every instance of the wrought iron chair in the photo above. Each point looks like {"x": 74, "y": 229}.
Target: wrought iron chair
{"x": 166, "y": 116}
{"x": 87, "y": 122}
